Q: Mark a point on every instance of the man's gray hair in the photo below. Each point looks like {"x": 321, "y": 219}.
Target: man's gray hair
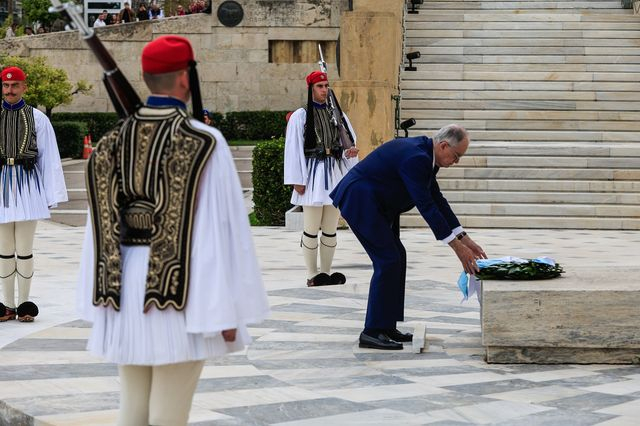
{"x": 452, "y": 133}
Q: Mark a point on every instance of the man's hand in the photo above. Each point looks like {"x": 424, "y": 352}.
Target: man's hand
{"x": 466, "y": 256}
{"x": 229, "y": 335}
{"x": 351, "y": 152}
{"x": 475, "y": 248}
{"x": 299, "y": 189}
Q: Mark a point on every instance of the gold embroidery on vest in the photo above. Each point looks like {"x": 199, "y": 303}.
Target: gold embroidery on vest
{"x": 153, "y": 191}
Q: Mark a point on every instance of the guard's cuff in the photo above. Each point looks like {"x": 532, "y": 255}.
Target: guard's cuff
{"x": 458, "y": 229}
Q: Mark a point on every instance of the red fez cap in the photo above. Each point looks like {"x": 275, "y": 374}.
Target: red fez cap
{"x": 315, "y": 77}
{"x": 13, "y": 74}
{"x": 166, "y": 54}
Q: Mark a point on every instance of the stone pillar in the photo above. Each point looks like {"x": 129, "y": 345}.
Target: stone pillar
{"x": 370, "y": 59}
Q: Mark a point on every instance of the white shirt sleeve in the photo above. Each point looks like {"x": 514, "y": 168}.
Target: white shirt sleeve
{"x": 353, "y": 132}
{"x": 295, "y": 166}
{"x": 48, "y": 161}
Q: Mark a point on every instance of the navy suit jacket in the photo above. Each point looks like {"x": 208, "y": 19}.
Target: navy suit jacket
{"x": 394, "y": 178}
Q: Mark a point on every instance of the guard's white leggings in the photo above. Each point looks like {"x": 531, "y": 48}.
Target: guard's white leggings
{"x": 157, "y": 395}
{"x": 16, "y": 259}
{"x": 318, "y": 218}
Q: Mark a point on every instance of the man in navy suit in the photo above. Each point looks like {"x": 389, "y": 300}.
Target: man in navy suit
{"x": 391, "y": 180}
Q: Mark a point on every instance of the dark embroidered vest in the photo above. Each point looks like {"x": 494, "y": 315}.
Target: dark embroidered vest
{"x": 327, "y": 136}
{"x": 142, "y": 182}
{"x": 18, "y": 143}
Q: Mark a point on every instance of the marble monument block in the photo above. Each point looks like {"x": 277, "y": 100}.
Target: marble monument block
{"x": 586, "y": 316}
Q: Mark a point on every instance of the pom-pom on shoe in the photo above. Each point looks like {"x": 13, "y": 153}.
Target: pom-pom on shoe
{"x": 319, "y": 280}
{"x": 7, "y": 313}
{"x": 338, "y": 278}
{"x": 27, "y": 311}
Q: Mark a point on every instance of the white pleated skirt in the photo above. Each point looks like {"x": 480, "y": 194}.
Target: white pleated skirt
{"x": 131, "y": 337}
{"x": 22, "y": 195}
{"x": 322, "y": 178}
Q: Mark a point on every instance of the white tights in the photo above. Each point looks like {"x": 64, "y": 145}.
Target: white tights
{"x": 16, "y": 259}
{"x": 157, "y": 395}
{"x": 318, "y": 218}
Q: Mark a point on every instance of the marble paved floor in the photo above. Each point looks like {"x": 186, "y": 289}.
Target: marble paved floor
{"x": 305, "y": 368}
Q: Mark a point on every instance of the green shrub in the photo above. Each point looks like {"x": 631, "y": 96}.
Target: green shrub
{"x": 270, "y": 195}
{"x": 98, "y": 123}
{"x": 253, "y": 125}
{"x": 70, "y": 136}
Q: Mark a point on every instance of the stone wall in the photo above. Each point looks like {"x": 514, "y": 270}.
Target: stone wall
{"x": 237, "y": 70}
{"x": 233, "y": 62}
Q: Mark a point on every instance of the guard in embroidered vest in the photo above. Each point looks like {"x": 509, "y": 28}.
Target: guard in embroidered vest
{"x": 168, "y": 273}
{"x": 31, "y": 182}
{"x": 314, "y": 163}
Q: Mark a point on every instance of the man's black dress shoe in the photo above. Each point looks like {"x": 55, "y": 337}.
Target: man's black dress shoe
{"x": 399, "y": 336}
{"x": 381, "y": 341}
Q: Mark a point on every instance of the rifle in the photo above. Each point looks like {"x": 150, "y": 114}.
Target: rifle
{"x": 123, "y": 96}
{"x": 335, "y": 113}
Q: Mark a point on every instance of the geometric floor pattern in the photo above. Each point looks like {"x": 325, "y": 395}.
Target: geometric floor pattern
{"x": 305, "y": 368}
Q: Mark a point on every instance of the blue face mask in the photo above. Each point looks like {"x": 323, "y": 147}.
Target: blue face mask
{"x": 469, "y": 285}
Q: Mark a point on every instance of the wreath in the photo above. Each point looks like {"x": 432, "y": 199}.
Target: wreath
{"x": 530, "y": 269}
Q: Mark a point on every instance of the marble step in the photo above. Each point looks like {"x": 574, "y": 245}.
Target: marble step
{"x": 634, "y": 68}
{"x": 412, "y": 82}
{"x": 544, "y": 136}
{"x": 539, "y": 185}
{"x": 527, "y": 34}
{"x": 241, "y": 151}
{"x": 521, "y": 5}
{"x": 491, "y": 24}
{"x": 416, "y": 43}
{"x": 243, "y": 159}
{"x": 461, "y": 172}
{"x": 526, "y": 59}
{"x": 568, "y": 2}
{"x": 73, "y": 212}
{"x": 549, "y": 163}
{"x": 597, "y": 16}
{"x": 524, "y": 50}
{"x": 539, "y": 115}
{"x": 550, "y": 124}
{"x": 543, "y": 95}
{"x": 506, "y": 208}
{"x": 76, "y": 194}
{"x": 529, "y": 76}
{"x": 532, "y": 222}
{"x": 243, "y": 163}
{"x": 246, "y": 181}
{"x": 542, "y": 197}
{"x": 522, "y": 105}
{"x": 559, "y": 149}
{"x": 74, "y": 179}
{"x": 70, "y": 217}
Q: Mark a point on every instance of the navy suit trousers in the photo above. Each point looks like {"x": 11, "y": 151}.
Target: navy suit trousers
{"x": 381, "y": 240}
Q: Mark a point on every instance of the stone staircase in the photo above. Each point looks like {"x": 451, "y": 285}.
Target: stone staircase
{"x": 74, "y": 212}
{"x": 550, "y": 93}
{"x": 243, "y": 157}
